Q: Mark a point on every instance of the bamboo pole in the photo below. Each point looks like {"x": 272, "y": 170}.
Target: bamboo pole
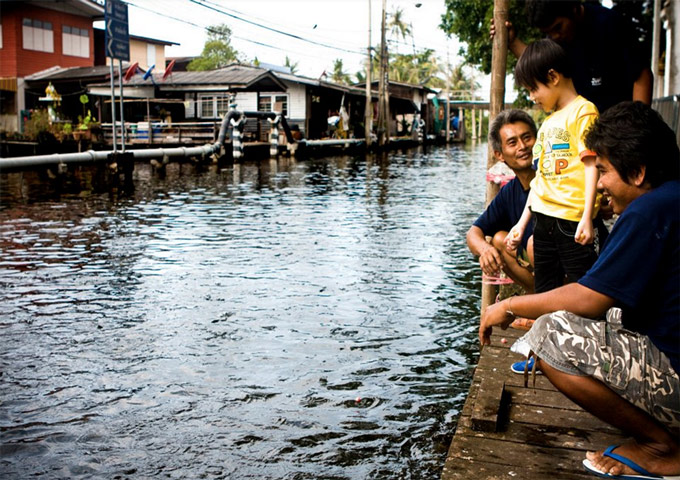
{"x": 499, "y": 57}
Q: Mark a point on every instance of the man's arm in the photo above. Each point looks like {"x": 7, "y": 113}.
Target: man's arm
{"x": 489, "y": 258}
{"x": 642, "y": 88}
{"x": 573, "y": 297}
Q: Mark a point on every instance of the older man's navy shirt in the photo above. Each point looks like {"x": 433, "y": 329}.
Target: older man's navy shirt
{"x": 505, "y": 210}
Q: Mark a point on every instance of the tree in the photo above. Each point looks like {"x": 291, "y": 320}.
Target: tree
{"x": 339, "y": 75}
{"x": 292, "y": 66}
{"x": 397, "y": 26}
{"x": 217, "y": 51}
{"x": 470, "y": 23}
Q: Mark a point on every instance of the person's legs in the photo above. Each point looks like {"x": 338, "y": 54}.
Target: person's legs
{"x": 512, "y": 268}
{"x": 575, "y": 259}
{"x": 618, "y": 376}
{"x": 654, "y": 447}
{"x": 548, "y": 272}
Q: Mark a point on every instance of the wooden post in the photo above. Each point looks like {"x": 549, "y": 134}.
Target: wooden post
{"x": 368, "y": 115}
{"x": 499, "y": 57}
{"x": 383, "y": 99}
{"x": 474, "y": 124}
{"x": 479, "y": 125}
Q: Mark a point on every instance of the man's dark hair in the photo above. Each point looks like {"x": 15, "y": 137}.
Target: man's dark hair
{"x": 543, "y": 13}
{"x": 537, "y": 60}
{"x": 504, "y": 118}
{"x": 632, "y": 135}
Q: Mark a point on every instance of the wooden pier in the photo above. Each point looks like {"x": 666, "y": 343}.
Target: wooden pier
{"x": 507, "y": 431}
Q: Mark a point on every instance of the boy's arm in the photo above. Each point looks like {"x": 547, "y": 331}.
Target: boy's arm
{"x": 516, "y": 233}
{"x": 584, "y": 231}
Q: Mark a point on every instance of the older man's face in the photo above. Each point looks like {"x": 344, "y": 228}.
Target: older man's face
{"x": 517, "y": 142}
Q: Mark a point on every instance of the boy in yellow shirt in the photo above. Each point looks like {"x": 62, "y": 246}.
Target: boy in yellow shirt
{"x": 563, "y": 195}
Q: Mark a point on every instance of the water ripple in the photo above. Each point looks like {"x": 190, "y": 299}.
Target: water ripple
{"x": 281, "y": 319}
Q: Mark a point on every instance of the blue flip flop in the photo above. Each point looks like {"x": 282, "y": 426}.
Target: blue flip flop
{"x": 644, "y": 474}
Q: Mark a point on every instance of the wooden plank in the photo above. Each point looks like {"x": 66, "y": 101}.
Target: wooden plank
{"x": 520, "y": 457}
{"x": 479, "y": 469}
{"x": 497, "y": 361}
{"x": 489, "y": 404}
{"x": 540, "y": 397}
{"x": 546, "y": 416}
{"x": 558, "y": 436}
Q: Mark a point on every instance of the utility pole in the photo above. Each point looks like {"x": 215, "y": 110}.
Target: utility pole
{"x": 383, "y": 101}
{"x": 368, "y": 116}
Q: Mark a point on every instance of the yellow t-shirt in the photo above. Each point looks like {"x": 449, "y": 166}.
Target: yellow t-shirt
{"x": 558, "y": 189}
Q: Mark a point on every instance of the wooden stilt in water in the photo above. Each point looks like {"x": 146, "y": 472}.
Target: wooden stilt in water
{"x": 499, "y": 56}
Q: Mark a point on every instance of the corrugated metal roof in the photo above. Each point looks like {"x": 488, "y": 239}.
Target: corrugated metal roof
{"x": 72, "y": 73}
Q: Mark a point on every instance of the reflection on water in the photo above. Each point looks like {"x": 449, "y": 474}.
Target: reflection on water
{"x": 281, "y": 319}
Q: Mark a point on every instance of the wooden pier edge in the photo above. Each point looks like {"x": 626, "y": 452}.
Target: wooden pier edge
{"x": 509, "y": 431}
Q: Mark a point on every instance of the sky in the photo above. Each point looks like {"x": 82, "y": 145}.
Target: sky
{"x": 327, "y": 29}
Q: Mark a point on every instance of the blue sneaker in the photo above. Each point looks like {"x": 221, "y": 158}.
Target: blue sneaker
{"x": 518, "y": 367}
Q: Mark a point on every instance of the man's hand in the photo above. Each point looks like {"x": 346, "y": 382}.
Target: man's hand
{"x": 515, "y": 45}
{"x": 490, "y": 261}
{"x": 514, "y": 238}
{"x": 512, "y": 34}
{"x": 495, "y": 315}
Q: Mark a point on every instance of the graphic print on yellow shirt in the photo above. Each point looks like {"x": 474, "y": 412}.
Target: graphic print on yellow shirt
{"x": 558, "y": 190}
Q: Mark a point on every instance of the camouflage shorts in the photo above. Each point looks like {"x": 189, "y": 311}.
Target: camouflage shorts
{"x": 625, "y": 361}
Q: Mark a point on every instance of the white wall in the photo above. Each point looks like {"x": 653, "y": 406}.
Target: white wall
{"x": 297, "y": 101}
{"x": 246, "y": 101}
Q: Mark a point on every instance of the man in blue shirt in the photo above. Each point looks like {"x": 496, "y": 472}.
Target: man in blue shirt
{"x": 624, "y": 369}
{"x": 512, "y": 135}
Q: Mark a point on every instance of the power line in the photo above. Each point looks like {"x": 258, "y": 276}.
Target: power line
{"x": 281, "y": 32}
{"x": 211, "y": 30}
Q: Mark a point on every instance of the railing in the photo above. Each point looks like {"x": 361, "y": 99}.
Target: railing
{"x": 669, "y": 108}
{"x": 183, "y": 133}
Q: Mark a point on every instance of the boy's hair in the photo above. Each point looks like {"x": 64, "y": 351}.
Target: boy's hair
{"x": 537, "y": 60}
{"x": 504, "y": 118}
{"x": 542, "y": 13}
{"x": 632, "y": 135}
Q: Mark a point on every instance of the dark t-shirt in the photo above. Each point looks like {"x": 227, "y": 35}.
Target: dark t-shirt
{"x": 607, "y": 57}
{"x": 639, "y": 267}
{"x": 505, "y": 210}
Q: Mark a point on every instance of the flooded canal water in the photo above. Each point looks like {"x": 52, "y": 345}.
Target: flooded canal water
{"x": 273, "y": 320}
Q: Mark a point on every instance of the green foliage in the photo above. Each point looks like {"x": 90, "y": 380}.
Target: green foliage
{"x": 462, "y": 85}
{"x": 37, "y": 124}
{"x": 38, "y": 127}
{"x": 470, "y": 22}
{"x": 87, "y": 122}
{"x": 217, "y": 51}
{"x": 291, "y": 65}
{"x": 396, "y": 24}
{"x": 339, "y": 75}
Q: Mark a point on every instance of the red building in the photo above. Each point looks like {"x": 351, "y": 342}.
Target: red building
{"x": 37, "y": 35}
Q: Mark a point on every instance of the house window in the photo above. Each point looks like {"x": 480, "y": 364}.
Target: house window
{"x": 150, "y": 55}
{"x": 37, "y": 35}
{"x": 213, "y": 106}
{"x": 76, "y": 41}
{"x": 273, "y": 103}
